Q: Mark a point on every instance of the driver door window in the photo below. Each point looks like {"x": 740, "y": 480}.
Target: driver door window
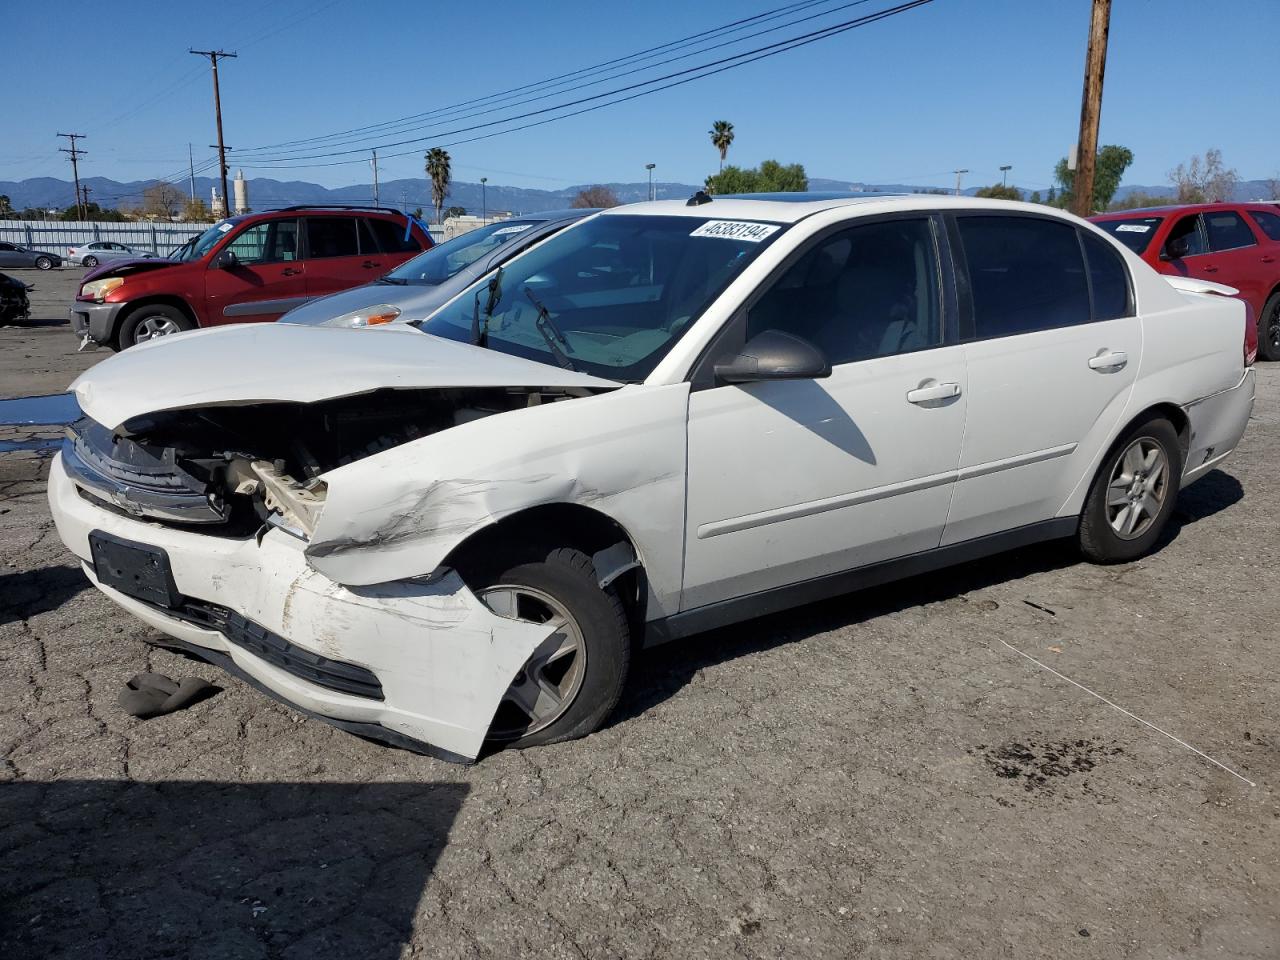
{"x": 1186, "y": 233}
{"x": 275, "y": 241}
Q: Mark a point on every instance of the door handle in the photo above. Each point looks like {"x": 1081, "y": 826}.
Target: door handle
{"x": 369, "y": 264}
{"x": 1109, "y": 360}
{"x": 289, "y": 272}
{"x": 1268, "y": 259}
{"x": 936, "y": 391}
{"x": 1210, "y": 269}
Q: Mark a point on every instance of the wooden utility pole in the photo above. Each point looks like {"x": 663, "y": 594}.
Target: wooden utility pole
{"x": 76, "y": 154}
{"x": 214, "y": 56}
{"x": 375, "y": 178}
{"x": 1095, "y": 63}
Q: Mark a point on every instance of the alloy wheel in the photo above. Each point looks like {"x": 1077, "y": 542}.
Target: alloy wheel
{"x": 1138, "y": 487}
{"x": 149, "y": 328}
{"x": 551, "y": 678}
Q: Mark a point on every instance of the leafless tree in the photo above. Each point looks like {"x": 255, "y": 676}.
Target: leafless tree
{"x": 161, "y": 199}
{"x": 1204, "y": 179}
{"x": 597, "y": 196}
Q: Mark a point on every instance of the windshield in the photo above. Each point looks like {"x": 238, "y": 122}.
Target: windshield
{"x": 610, "y": 296}
{"x": 203, "y": 243}
{"x": 1135, "y": 233}
{"x": 445, "y": 259}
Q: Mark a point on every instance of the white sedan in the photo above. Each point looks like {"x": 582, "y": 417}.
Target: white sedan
{"x": 666, "y": 418}
{"x": 101, "y": 251}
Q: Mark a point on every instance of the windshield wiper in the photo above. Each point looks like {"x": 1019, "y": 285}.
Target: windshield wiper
{"x": 480, "y": 331}
{"x": 550, "y": 332}
{"x": 395, "y": 281}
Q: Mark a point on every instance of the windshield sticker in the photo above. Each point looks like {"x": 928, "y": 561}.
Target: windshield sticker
{"x": 736, "y": 230}
{"x": 224, "y": 227}
{"x": 1133, "y": 228}
{"x": 518, "y": 228}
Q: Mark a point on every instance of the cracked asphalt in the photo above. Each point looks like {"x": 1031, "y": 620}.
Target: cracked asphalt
{"x": 876, "y": 776}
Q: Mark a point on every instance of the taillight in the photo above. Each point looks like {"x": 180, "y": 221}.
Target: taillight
{"x": 1250, "y": 334}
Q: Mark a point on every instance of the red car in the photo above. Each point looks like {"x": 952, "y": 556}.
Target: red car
{"x": 247, "y": 268}
{"x": 1233, "y": 243}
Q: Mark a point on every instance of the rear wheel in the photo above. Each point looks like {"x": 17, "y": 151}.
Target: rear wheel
{"x": 572, "y": 682}
{"x": 90, "y": 262}
{"x": 44, "y": 263}
{"x": 150, "y": 322}
{"x": 1133, "y": 493}
{"x": 1269, "y": 329}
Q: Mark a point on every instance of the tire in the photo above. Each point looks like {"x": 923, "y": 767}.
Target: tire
{"x": 44, "y": 263}
{"x": 1269, "y": 329}
{"x": 150, "y": 322}
{"x": 1118, "y": 532}
{"x": 89, "y": 262}
{"x": 590, "y": 679}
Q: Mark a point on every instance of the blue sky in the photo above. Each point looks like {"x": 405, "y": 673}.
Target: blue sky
{"x": 956, "y": 83}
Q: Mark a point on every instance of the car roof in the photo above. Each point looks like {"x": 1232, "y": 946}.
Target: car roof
{"x": 793, "y": 207}
{"x": 1180, "y": 208}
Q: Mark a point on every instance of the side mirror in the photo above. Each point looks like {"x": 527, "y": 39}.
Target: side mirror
{"x": 774, "y": 355}
{"x": 1176, "y": 249}
{"x": 226, "y": 260}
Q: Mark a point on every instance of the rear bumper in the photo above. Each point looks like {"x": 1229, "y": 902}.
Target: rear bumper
{"x": 421, "y": 665}
{"x": 97, "y": 320}
{"x": 1217, "y": 424}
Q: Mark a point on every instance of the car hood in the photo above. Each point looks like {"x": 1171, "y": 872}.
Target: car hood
{"x": 120, "y": 268}
{"x": 414, "y": 301}
{"x": 262, "y": 363}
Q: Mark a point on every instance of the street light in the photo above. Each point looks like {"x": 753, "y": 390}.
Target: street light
{"x": 959, "y": 174}
{"x": 484, "y": 202}
{"x": 1004, "y": 174}
{"x": 649, "y": 167}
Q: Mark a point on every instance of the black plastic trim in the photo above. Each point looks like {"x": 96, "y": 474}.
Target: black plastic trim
{"x": 255, "y": 307}
{"x": 725, "y": 612}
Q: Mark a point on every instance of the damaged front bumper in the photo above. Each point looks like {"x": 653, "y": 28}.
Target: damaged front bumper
{"x": 427, "y": 662}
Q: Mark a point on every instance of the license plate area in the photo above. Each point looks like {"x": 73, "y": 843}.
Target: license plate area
{"x": 136, "y": 570}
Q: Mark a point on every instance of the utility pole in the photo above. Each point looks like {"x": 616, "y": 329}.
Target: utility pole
{"x": 1004, "y": 174}
{"x": 959, "y": 174}
{"x": 191, "y": 166}
{"x": 214, "y": 56}
{"x": 484, "y": 202}
{"x": 375, "y": 178}
{"x": 76, "y": 153}
{"x": 649, "y": 167}
{"x": 1095, "y": 62}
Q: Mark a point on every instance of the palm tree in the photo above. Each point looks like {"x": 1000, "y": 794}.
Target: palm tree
{"x": 721, "y": 137}
{"x": 439, "y": 174}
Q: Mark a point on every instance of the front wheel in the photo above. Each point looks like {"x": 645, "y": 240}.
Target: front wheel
{"x": 1269, "y": 329}
{"x": 572, "y": 682}
{"x": 1133, "y": 494}
{"x": 44, "y": 263}
{"x": 150, "y": 322}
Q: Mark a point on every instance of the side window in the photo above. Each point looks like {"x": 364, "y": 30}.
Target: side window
{"x": 1025, "y": 274}
{"x": 1108, "y": 279}
{"x": 869, "y": 291}
{"x": 1228, "y": 231}
{"x": 1268, "y": 222}
{"x": 6, "y": 246}
{"x": 391, "y": 236}
{"x": 1185, "y": 239}
{"x": 273, "y": 241}
{"x": 331, "y": 237}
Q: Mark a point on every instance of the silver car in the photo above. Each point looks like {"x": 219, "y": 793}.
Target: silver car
{"x": 92, "y": 254}
{"x": 15, "y": 255}
{"x": 416, "y": 288}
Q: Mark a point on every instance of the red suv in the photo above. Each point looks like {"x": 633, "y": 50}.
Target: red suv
{"x": 1233, "y": 243}
{"x": 248, "y": 268}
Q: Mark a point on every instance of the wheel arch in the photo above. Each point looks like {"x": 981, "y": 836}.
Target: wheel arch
{"x": 565, "y": 524}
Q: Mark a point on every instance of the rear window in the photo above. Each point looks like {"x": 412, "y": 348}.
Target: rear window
{"x": 1135, "y": 233}
{"x": 1025, "y": 273}
{"x": 1228, "y": 231}
{"x": 332, "y": 237}
{"x": 391, "y": 236}
{"x": 1269, "y": 223}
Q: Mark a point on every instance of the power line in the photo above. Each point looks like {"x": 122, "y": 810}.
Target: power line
{"x": 687, "y": 75}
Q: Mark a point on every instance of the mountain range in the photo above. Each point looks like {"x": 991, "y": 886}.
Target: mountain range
{"x": 51, "y": 192}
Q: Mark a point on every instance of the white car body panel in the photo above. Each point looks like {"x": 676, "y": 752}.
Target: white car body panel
{"x": 722, "y": 493}
{"x": 295, "y": 364}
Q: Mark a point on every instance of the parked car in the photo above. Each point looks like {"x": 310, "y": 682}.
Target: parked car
{"x": 1237, "y": 244}
{"x": 414, "y": 289}
{"x": 101, "y": 251}
{"x": 14, "y": 304}
{"x": 13, "y": 255}
{"x": 667, "y": 418}
{"x": 249, "y": 268}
